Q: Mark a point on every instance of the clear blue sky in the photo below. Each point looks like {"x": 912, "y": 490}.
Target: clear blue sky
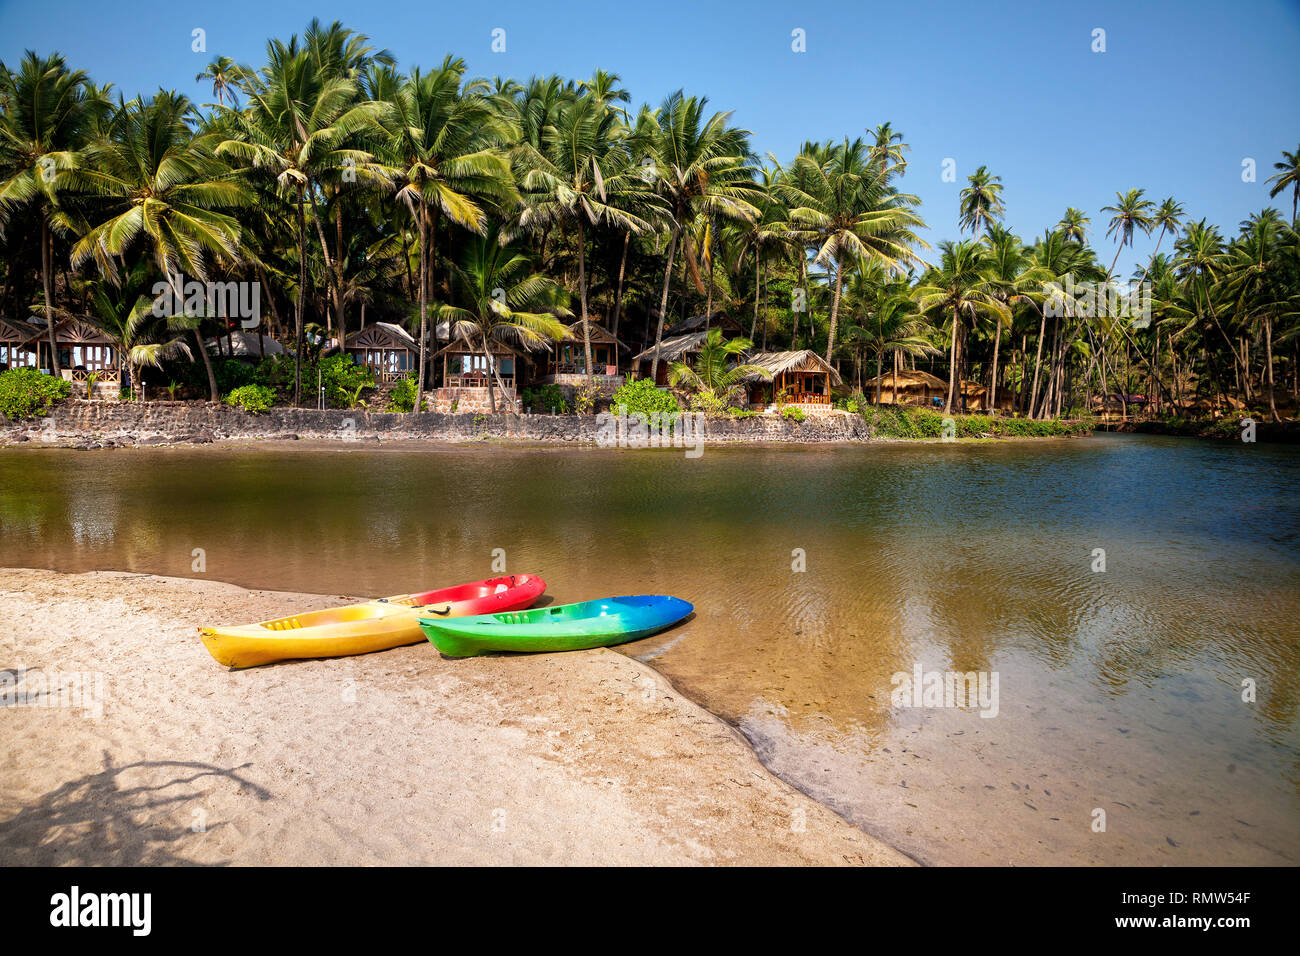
{"x": 1184, "y": 92}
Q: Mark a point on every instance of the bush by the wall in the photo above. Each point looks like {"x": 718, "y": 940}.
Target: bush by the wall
{"x": 29, "y": 393}
{"x": 253, "y": 399}
{"x": 642, "y": 396}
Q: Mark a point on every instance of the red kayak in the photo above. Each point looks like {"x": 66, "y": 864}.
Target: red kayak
{"x": 370, "y": 626}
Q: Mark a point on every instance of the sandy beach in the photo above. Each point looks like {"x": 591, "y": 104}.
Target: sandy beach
{"x": 401, "y": 757}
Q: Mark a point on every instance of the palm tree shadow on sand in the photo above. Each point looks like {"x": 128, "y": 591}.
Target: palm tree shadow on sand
{"x": 97, "y": 820}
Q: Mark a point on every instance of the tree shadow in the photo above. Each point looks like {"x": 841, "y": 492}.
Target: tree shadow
{"x": 99, "y": 819}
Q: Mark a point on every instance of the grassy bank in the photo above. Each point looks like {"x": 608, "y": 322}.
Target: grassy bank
{"x": 893, "y": 422}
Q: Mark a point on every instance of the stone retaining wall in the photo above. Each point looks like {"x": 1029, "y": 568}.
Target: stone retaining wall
{"x": 93, "y": 424}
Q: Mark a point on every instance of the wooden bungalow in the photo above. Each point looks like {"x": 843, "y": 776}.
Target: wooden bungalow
{"x": 83, "y": 351}
{"x": 386, "y": 349}
{"x": 466, "y": 374}
{"x": 566, "y": 363}
{"x": 802, "y": 378}
{"x": 20, "y": 344}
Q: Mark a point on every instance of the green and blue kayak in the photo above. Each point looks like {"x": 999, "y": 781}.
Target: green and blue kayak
{"x": 568, "y": 627}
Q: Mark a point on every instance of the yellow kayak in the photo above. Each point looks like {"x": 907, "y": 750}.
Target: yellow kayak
{"x": 369, "y": 626}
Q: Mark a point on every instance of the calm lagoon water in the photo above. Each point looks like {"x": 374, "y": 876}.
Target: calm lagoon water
{"x": 1118, "y": 690}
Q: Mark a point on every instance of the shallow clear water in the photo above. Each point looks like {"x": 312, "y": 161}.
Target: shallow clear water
{"x": 1118, "y": 690}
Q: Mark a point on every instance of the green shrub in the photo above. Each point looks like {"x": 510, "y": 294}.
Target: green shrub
{"x": 29, "y": 393}
{"x": 972, "y": 426}
{"x": 402, "y": 397}
{"x": 546, "y": 398}
{"x": 895, "y": 422}
{"x": 642, "y": 396}
{"x": 253, "y": 399}
{"x": 735, "y": 412}
{"x": 925, "y": 422}
{"x": 792, "y": 414}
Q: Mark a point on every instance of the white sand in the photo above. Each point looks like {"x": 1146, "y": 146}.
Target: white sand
{"x": 401, "y": 757}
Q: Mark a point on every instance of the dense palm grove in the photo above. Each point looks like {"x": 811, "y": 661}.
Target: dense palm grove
{"x": 507, "y": 210}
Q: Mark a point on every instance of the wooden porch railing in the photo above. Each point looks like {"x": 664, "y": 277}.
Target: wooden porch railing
{"x": 462, "y": 380}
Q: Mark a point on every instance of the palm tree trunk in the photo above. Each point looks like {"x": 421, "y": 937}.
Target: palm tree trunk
{"x": 424, "y": 308}
{"x": 47, "y": 256}
{"x": 803, "y": 287}
{"x": 993, "y": 385}
{"x": 1038, "y": 361}
{"x": 298, "y": 303}
{"x": 835, "y": 309}
{"x": 880, "y": 355}
{"x": 487, "y": 355}
{"x": 582, "y": 297}
{"x": 214, "y": 394}
{"x": 1268, "y": 359}
{"x": 952, "y": 362}
{"x": 618, "y": 296}
{"x": 663, "y": 303}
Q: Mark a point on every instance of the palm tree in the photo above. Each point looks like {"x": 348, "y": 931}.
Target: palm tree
{"x": 1074, "y": 225}
{"x": 160, "y": 189}
{"x": 882, "y": 319}
{"x": 224, "y": 74}
{"x": 1200, "y": 261}
{"x": 1252, "y": 280}
{"x": 1168, "y": 218}
{"x": 1131, "y": 212}
{"x": 889, "y": 147}
{"x": 717, "y": 377}
{"x": 959, "y": 284}
{"x": 50, "y": 114}
{"x": 294, "y": 130}
{"x": 126, "y": 316}
{"x": 1287, "y": 177}
{"x": 848, "y": 209}
{"x": 981, "y": 201}
{"x": 446, "y": 141}
{"x": 701, "y": 166}
{"x": 580, "y": 170}
{"x": 1014, "y": 279}
{"x": 1056, "y": 258}
{"x": 502, "y": 300}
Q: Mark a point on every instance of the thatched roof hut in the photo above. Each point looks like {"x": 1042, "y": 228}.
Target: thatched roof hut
{"x": 908, "y": 387}
{"x": 704, "y": 322}
{"x": 801, "y": 378}
{"x": 679, "y": 348}
{"x": 246, "y": 346}
{"x": 918, "y": 387}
